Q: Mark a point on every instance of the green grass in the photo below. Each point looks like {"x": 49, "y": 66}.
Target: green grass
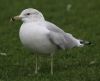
{"x": 83, "y": 21}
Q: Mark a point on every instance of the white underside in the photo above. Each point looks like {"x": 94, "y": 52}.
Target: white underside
{"x": 35, "y": 38}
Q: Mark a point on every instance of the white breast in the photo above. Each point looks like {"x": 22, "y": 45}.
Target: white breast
{"x": 34, "y": 37}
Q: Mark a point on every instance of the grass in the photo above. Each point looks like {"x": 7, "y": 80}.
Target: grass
{"x": 77, "y": 64}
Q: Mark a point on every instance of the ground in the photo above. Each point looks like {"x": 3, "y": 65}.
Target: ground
{"x": 79, "y": 17}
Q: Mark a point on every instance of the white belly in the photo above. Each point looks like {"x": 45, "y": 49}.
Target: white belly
{"x": 35, "y": 39}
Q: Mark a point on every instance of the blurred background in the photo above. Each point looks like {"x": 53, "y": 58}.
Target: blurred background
{"x": 79, "y": 17}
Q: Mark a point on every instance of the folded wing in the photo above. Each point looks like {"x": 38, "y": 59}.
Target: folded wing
{"x": 58, "y": 37}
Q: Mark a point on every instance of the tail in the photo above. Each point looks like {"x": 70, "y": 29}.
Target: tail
{"x": 83, "y": 42}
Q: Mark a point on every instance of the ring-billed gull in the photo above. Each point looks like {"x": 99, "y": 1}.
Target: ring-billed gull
{"x": 43, "y": 37}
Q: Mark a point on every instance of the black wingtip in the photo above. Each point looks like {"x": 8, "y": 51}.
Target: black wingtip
{"x": 89, "y": 43}
{"x": 86, "y": 42}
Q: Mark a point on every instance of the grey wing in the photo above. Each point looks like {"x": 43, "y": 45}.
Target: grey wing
{"x": 58, "y": 37}
{"x": 53, "y": 27}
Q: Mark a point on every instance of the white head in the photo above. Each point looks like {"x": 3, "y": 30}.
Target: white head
{"x": 29, "y": 15}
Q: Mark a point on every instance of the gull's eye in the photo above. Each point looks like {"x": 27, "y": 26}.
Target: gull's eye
{"x": 28, "y": 13}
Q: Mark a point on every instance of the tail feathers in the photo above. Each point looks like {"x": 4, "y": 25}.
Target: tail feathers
{"x": 85, "y": 42}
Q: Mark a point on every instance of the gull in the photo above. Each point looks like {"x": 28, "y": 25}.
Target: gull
{"x": 43, "y": 37}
